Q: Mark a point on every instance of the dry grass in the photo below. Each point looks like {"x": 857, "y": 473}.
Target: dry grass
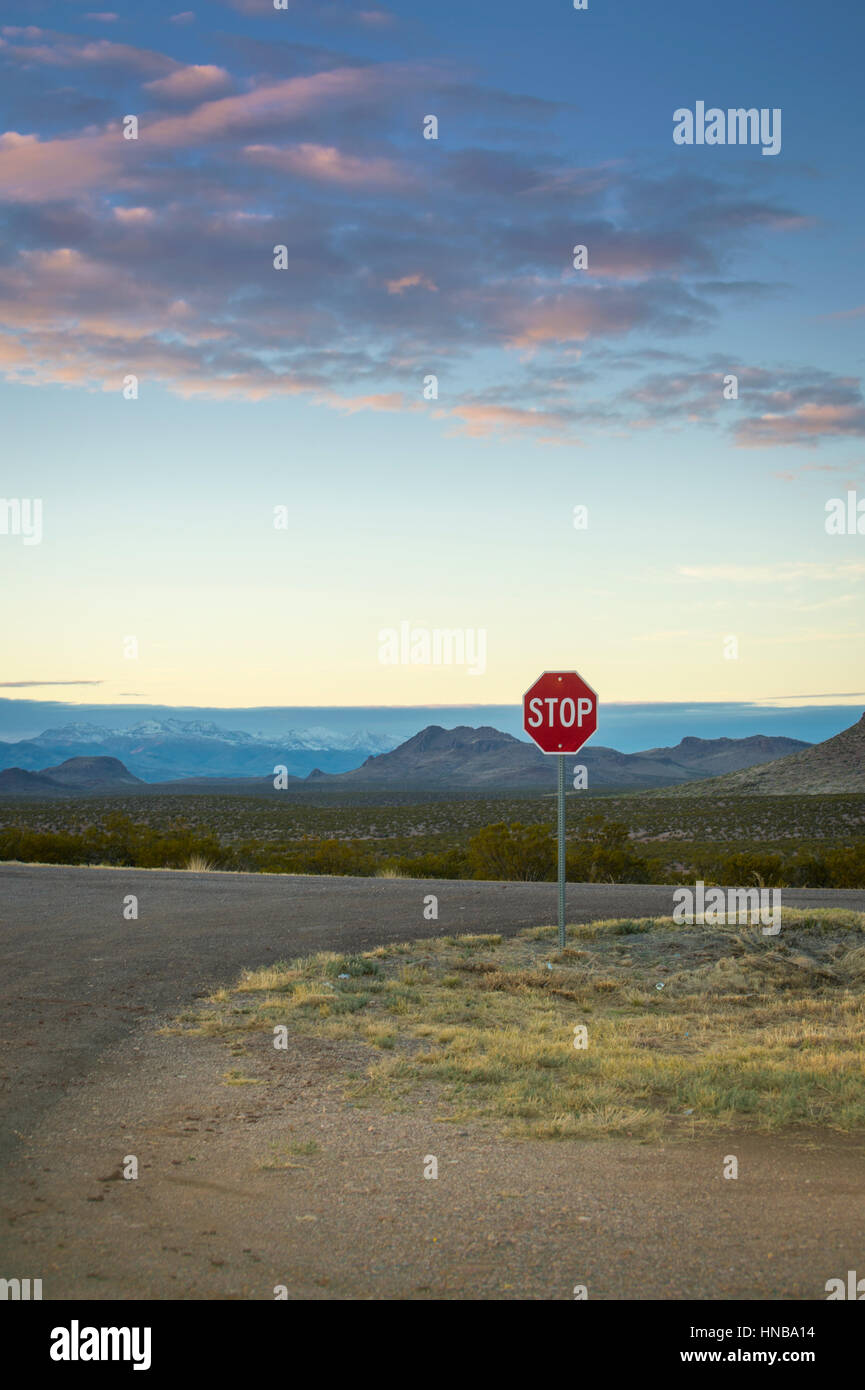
{"x": 197, "y": 864}
{"x": 689, "y": 1027}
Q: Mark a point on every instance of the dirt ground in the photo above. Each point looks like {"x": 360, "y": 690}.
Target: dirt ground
{"x": 244, "y": 1188}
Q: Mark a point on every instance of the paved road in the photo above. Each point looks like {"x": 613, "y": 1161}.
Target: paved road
{"x": 76, "y": 975}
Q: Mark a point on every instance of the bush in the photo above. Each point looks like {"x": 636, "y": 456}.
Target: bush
{"x": 605, "y": 855}
{"x": 847, "y": 867}
{"x": 451, "y": 863}
{"x": 809, "y": 870}
{"x": 749, "y": 869}
{"x": 42, "y": 846}
{"x": 334, "y": 857}
{"x": 513, "y": 851}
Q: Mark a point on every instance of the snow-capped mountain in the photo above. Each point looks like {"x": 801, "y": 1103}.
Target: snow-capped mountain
{"x": 161, "y": 749}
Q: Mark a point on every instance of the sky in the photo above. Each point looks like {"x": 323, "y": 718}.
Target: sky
{"x": 244, "y": 522}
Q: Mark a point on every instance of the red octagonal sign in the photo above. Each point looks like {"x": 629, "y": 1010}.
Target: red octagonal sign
{"x": 560, "y": 712}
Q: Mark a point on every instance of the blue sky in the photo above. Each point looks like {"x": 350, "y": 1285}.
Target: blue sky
{"x": 302, "y": 388}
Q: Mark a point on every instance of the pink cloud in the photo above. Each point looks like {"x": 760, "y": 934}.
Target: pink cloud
{"x": 134, "y": 216}
{"x": 408, "y": 282}
{"x": 805, "y": 425}
{"x": 64, "y": 295}
{"x": 567, "y": 318}
{"x": 484, "y": 419}
{"x": 271, "y": 104}
{"x": 326, "y": 164}
{"x": 32, "y": 170}
{"x": 12, "y": 352}
{"x": 383, "y": 400}
{"x": 192, "y": 83}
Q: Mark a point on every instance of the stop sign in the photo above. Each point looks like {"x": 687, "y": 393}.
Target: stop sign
{"x": 560, "y": 712}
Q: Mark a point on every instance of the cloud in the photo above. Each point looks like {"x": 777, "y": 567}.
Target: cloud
{"x": 480, "y": 419}
{"x": 807, "y": 423}
{"x": 790, "y": 475}
{"x": 70, "y": 51}
{"x": 784, "y": 405}
{"x": 784, "y": 572}
{"x": 326, "y": 164}
{"x": 577, "y": 314}
{"x": 846, "y": 313}
{"x": 155, "y": 255}
{"x": 830, "y": 695}
{"x": 387, "y": 401}
{"x": 31, "y": 170}
{"x": 192, "y": 83}
{"x": 324, "y": 11}
{"x": 133, "y": 216}
{"x": 408, "y": 282}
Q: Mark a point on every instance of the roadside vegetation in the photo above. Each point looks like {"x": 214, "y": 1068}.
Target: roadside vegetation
{"x": 687, "y": 1028}
{"x": 806, "y": 841}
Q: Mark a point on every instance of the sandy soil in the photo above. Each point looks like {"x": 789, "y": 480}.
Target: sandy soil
{"x": 243, "y": 1188}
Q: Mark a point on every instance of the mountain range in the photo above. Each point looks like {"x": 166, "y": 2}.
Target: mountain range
{"x": 466, "y": 758}
{"x": 463, "y": 759}
{"x": 163, "y": 750}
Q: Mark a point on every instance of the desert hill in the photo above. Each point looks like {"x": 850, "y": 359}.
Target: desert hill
{"x": 69, "y": 778}
{"x": 836, "y": 765}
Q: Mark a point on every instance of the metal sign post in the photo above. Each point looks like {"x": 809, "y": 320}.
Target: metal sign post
{"x": 560, "y": 711}
{"x": 561, "y": 851}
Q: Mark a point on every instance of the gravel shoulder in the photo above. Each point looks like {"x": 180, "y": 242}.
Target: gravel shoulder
{"x": 243, "y": 1188}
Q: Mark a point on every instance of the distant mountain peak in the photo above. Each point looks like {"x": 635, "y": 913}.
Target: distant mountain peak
{"x": 73, "y": 775}
{"x": 83, "y": 772}
{"x": 82, "y": 732}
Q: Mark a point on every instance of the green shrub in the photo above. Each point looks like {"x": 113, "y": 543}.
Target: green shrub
{"x": 747, "y": 869}
{"x": 452, "y": 863}
{"x": 334, "y": 857}
{"x": 604, "y": 854}
{"x": 514, "y": 851}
